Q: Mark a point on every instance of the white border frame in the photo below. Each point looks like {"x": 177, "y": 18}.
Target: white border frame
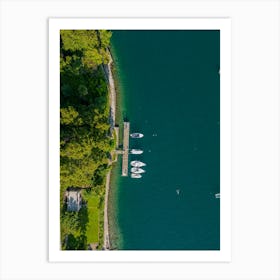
{"x": 222, "y": 24}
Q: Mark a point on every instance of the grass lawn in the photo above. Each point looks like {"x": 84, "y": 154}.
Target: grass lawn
{"x": 93, "y": 216}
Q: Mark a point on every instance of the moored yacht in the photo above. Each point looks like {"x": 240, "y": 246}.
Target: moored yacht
{"x": 137, "y": 163}
{"x": 137, "y": 170}
{"x": 136, "y": 151}
{"x": 136, "y": 135}
{"x": 135, "y": 175}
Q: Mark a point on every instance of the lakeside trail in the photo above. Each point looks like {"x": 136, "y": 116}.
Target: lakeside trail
{"x": 106, "y": 244}
{"x": 112, "y": 91}
{"x": 112, "y": 99}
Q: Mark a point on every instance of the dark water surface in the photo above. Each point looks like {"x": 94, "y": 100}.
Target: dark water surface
{"x": 171, "y": 92}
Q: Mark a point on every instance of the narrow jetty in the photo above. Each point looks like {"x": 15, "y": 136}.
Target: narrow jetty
{"x": 126, "y": 128}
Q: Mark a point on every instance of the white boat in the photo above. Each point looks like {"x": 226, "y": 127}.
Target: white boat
{"x": 136, "y": 151}
{"x": 217, "y": 195}
{"x": 137, "y": 163}
{"x": 137, "y": 170}
{"x": 136, "y": 135}
{"x": 135, "y": 175}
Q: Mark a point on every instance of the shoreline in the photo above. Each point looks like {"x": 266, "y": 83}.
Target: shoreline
{"x": 115, "y": 234}
{"x": 112, "y": 101}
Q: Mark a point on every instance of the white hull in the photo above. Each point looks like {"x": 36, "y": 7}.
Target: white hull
{"x": 137, "y": 170}
{"x": 137, "y": 163}
{"x": 136, "y": 135}
{"x": 135, "y": 176}
{"x": 136, "y": 152}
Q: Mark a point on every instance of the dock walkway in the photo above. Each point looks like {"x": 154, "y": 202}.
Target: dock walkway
{"x": 126, "y": 128}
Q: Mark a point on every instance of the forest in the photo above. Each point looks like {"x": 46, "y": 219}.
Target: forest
{"x": 85, "y": 138}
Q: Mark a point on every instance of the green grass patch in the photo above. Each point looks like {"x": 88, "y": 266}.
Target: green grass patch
{"x": 92, "y": 231}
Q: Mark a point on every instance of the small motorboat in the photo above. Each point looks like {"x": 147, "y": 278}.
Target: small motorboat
{"x": 136, "y": 152}
{"x": 136, "y": 135}
{"x": 137, "y": 170}
{"x": 137, "y": 163}
{"x": 217, "y": 195}
{"x": 135, "y": 175}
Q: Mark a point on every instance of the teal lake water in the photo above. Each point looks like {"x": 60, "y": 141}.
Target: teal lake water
{"x": 171, "y": 93}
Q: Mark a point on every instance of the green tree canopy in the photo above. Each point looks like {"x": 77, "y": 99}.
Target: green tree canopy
{"x": 85, "y": 141}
